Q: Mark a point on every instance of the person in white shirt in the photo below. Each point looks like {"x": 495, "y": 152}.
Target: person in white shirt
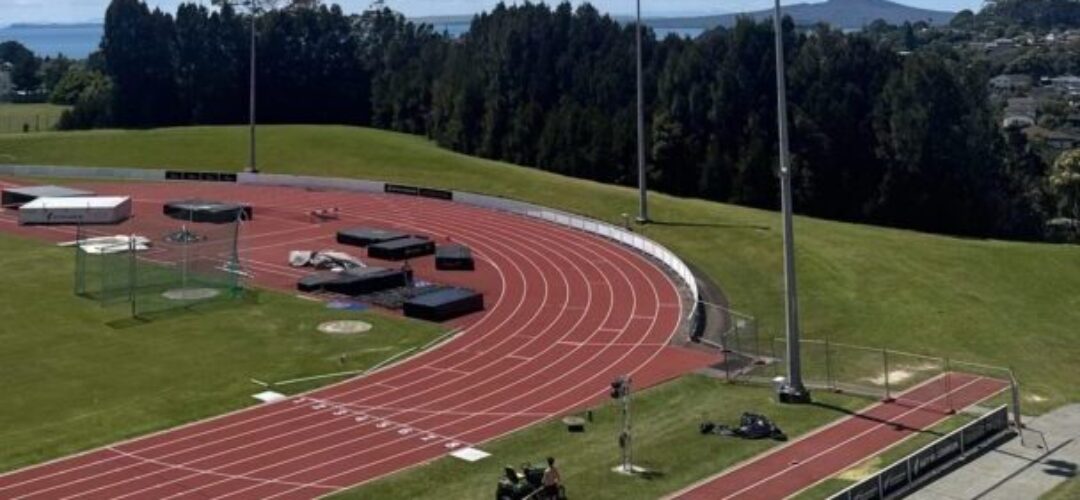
{"x": 551, "y": 481}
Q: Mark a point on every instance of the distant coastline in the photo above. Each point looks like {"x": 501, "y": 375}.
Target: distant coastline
{"x": 75, "y": 41}
{"x": 51, "y": 25}
{"x": 79, "y": 40}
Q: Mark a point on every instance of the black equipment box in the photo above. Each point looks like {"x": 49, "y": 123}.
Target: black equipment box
{"x": 364, "y": 236}
{"x": 401, "y": 249}
{"x": 454, "y": 257}
{"x": 445, "y": 304}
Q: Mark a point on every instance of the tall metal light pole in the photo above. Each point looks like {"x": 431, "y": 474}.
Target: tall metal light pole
{"x": 252, "y": 167}
{"x": 643, "y": 208}
{"x": 793, "y": 391}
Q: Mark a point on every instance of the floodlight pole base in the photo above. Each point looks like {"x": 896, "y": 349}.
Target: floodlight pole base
{"x": 789, "y": 394}
{"x": 642, "y": 220}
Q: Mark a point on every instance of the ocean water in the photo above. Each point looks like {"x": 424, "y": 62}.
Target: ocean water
{"x": 458, "y": 29}
{"x": 79, "y": 40}
{"x": 75, "y": 41}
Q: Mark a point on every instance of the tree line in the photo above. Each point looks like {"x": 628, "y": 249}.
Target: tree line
{"x": 885, "y": 130}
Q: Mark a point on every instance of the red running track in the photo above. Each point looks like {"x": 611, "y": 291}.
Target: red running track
{"x": 567, "y": 312}
{"x": 832, "y": 449}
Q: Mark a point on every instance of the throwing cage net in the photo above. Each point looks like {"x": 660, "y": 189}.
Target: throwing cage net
{"x": 162, "y": 264}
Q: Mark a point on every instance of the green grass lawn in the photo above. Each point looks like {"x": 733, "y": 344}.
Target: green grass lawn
{"x": 77, "y": 375}
{"x": 35, "y": 117}
{"x": 1002, "y": 303}
{"x": 667, "y": 442}
{"x": 1069, "y": 490}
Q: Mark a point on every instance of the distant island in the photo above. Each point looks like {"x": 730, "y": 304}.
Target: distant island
{"x": 24, "y": 26}
{"x": 842, "y": 14}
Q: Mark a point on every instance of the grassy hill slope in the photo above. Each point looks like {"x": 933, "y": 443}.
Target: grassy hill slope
{"x": 994, "y": 302}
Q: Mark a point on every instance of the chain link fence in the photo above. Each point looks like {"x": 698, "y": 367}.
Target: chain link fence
{"x": 161, "y": 265}
{"x": 884, "y": 373}
{"x": 26, "y": 123}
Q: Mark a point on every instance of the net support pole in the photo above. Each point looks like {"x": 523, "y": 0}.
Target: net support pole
{"x": 1014, "y": 388}
{"x": 132, "y": 278}
{"x": 948, "y": 388}
{"x": 885, "y": 367}
{"x": 628, "y": 453}
{"x": 828, "y": 366}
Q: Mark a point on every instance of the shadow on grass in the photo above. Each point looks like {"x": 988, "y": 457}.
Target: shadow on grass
{"x": 244, "y": 298}
{"x": 651, "y": 475}
{"x": 709, "y": 225}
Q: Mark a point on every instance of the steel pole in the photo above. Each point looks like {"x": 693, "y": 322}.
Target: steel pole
{"x": 794, "y": 391}
{"x": 252, "y": 167}
{"x": 643, "y": 213}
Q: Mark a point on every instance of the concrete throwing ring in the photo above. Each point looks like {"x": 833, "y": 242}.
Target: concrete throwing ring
{"x": 345, "y": 327}
{"x": 190, "y": 294}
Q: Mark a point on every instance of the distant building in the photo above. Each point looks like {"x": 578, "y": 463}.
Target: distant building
{"x": 1067, "y": 85}
{"x": 6, "y": 87}
{"x": 1011, "y": 83}
{"x": 1055, "y": 139}
{"x": 1020, "y": 113}
{"x": 1062, "y": 140}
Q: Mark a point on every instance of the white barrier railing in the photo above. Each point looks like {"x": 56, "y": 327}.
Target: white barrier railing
{"x": 581, "y": 223}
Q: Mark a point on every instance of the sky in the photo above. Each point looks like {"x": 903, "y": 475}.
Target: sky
{"x": 64, "y": 11}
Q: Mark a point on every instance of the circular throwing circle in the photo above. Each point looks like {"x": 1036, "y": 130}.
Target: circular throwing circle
{"x": 344, "y": 327}
{"x": 191, "y": 294}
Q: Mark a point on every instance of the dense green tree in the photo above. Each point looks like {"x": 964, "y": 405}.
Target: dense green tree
{"x": 139, "y": 47}
{"x": 93, "y": 108}
{"x": 835, "y": 84}
{"x": 53, "y": 70}
{"x": 940, "y": 147}
{"x": 24, "y": 65}
{"x": 71, "y": 86}
{"x": 1065, "y": 181}
{"x": 1041, "y": 14}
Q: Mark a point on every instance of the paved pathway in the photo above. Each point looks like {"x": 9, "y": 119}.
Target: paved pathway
{"x": 1012, "y": 470}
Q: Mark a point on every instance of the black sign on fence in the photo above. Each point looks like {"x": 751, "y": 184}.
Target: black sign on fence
{"x": 419, "y": 191}
{"x": 923, "y": 465}
{"x": 178, "y": 175}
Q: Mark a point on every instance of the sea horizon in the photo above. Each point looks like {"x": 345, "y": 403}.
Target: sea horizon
{"x": 79, "y": 40}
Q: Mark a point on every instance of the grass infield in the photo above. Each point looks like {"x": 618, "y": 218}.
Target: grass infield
{"x": 666, "y": 442}
{"x": 77, "y": 375}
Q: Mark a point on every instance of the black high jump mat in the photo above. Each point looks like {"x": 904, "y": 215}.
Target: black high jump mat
{"x": 444, "y": 305}
{"x": 366, "y": 236}
{"x": 317, "y": 282}
{"x": 454, "y": 257}
{"x": 401, "y": 249}
{"x": 204, "y": 211}
{"x": 355, "y": 282}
